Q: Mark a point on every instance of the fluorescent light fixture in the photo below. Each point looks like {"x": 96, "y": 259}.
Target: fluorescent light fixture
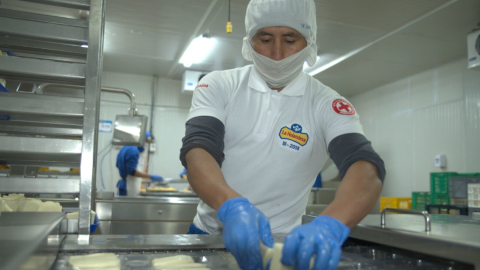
{"x": 84, "y": 46}
{"x": 198, "y": 49}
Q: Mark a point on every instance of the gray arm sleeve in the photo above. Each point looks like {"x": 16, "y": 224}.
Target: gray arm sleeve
{"x": 348, "y": 148}
{"x": 204, "y": 132}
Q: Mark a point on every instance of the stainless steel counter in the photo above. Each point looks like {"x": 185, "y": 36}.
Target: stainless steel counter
{"x": 28, "y": 239}
{"x": 146, "y": 215}
{"x": 451, "y": 237}
{"x": 138, "y": 251}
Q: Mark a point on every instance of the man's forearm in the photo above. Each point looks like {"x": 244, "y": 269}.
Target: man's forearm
{"x": 206, "y": 178}
{"x": 356, "y": 195}
{"x": 141, "y": 175}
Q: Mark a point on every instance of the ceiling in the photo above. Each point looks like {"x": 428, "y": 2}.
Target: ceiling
{"x": 149, "y": 37}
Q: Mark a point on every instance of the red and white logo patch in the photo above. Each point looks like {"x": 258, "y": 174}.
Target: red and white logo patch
{"x": 341, "y": 106}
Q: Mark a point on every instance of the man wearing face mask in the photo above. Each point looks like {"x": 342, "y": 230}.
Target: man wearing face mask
{"x": 256, "y": 138}
{"x": 127, "y": 162}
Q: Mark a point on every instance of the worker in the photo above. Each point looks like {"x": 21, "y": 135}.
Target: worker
{"x": 183, "y": 174}
{"x": 127, "y": 162}
{"x": 257, "y": 136}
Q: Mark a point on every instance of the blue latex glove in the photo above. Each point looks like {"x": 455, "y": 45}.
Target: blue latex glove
{"x": 323, "y": 236}
{"x": 156, "y": 178}
{"x": 183, "y": 174}
{"x": 243, "y": 227}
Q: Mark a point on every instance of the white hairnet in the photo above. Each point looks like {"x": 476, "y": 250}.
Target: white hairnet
{"x": 296, "y": 14}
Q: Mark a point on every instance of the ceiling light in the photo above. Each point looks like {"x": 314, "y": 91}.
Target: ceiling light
{"x": 84, "y": 46}
{"x": 198, "y": 49}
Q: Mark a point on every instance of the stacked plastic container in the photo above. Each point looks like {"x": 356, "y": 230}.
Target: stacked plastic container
{"x": 450, "y": 193}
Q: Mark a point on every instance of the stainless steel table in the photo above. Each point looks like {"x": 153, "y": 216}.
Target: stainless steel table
{"x": 451, "y": 237}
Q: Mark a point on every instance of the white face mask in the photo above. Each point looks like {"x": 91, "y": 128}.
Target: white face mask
{"x": 278, "y": 74}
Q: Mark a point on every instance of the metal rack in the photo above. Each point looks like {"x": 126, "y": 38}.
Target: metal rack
{"x": 46, "y": 130}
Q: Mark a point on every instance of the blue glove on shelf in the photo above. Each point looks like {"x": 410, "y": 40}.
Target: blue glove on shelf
{"x": 243, "y": 227}
{"x": 323, "y": 236}
{"x": 156, "y": 178}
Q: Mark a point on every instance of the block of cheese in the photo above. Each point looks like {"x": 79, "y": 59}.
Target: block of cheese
{"x": 188, "y": 266}
{"x": 275, "y": 254}
{"x": 178, "y": 262}
{"x": 74, "y": 215}
{"x": 95, "y": 261}
{"x": 11, "y": 203}
{"x": 49, "y": 206}
{"x": 173, "y": 260}
{"x": 30, "y": 205}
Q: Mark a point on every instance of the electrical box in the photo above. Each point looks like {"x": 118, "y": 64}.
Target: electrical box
{"x": 153, "y": 147}
{"x": 473, "y": 41}
{"x": 130, "y": 130}
{"x": 191, "y": 79}
{"x": 440, "y": 161}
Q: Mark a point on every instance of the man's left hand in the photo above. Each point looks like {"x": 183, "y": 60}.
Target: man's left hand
{"x": 323, "y": 236}
{"x": 156, "y": 178}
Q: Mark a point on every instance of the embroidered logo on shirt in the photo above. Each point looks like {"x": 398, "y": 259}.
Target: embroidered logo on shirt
{"x": 341, "y": 106}
{"x": 201, "y": 85}
{"x": 293, "y": 134}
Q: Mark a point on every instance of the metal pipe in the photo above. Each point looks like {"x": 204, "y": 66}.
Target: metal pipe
{"x": 131, "y": 96}
{"x": 133, "y": 102}
{"x": 428, "y": 225}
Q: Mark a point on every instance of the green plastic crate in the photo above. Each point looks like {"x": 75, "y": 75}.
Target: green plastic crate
{"x": 439, "y": 199}
{"x": 420, "y": 200}
{"x": 439, "y": 183}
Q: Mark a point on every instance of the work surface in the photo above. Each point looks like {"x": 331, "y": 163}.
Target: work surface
{"x": 138, "y": 251}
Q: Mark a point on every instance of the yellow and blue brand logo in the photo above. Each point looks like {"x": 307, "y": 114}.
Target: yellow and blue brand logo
{"x": 294, "y": 134}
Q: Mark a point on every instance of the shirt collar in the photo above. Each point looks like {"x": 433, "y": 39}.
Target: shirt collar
{"x": 295, "y": 88}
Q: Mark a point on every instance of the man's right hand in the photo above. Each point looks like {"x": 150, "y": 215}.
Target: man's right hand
{"x": 243, "y": 228}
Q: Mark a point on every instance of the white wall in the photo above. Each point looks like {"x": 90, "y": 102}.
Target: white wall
{"x": 170, "y": 112}
{"x": 411, "y": 120}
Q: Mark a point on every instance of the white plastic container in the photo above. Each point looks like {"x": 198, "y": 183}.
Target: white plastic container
{"x": 473, "y": 195}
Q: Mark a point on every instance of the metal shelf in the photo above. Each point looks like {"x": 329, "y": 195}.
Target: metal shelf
{"x": 8, "y": 13}
{"x": 39, "y": 151}
{"x": 45, "y": 49}
{"x": 24, "y": 69}
{"x": 22, "y": 103}
{"x": 39, "y": 185}
{"x": 5, "y": 127}
{"x": 21, "y": 45}
{"x": 77, "y": 4}
{"x": 51, "y": 28}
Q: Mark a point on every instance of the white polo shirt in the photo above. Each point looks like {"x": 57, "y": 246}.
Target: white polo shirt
{"x": 275, "y": 142}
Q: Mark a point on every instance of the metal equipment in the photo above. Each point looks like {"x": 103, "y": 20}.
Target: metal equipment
{"x": 52, "y": 130}
{"x": 453, "y": 238}
{"x": 128, "y": 129}
{"x": 146, "y": 215}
